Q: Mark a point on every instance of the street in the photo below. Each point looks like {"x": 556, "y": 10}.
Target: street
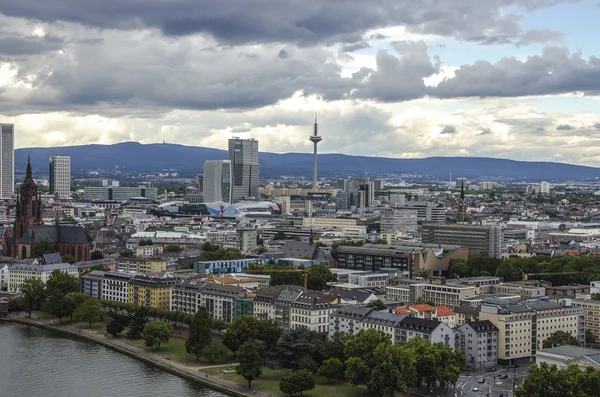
{"x": 493, "y": 386}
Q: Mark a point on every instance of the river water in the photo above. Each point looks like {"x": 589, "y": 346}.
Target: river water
{"x": 36, "y": 362}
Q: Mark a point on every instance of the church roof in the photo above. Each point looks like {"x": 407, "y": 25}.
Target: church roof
{"x": 55, "y": 234}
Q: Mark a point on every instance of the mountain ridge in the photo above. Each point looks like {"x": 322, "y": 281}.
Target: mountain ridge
{"x": 135, "y": 156}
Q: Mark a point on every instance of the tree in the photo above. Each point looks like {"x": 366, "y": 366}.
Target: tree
{"x": 559, "y": 338}
{"x": 380, "y": 241}
{"x": 319, "y": 276}
{"x": 34, "y": 292}
{"x": 214, "y": 352}
{"x": 72, "y": 301}
{"x": 200, "y": 333}
{"x": 264, "y": 333}
{"x": 96, "y": 255}
{"x": 363, "y": 345}
{"x": 357, "y": 372}
{"x": 138, "y": 322}
{"x": 459, "y": 268}
{"x": 61, "y": 283}
{"x": 59, "y": 306}
{"x": 297, "y": 382}
{"x": 395, "y": 370}
{"x": 42, "y": 247}
{"x": 114, "y": 327}
{"x": 143, "y": 243}
{"x": 544, "y": 381}
{"x": 157, "y": 332}
{"x": 218, "y": 325}
{"x": 250, "y": 362}
{"x": 173, "y": 248}
{"x": 508, "y": 272}
{"x": 378, "y": 305}
{"x": 294, "y": 347}
{"x": 68, "y": 219}
{"x": 68, "y": 259}
{"x": 279, "y": 236}
{"x": 590, "y": 338}
{"x": 89, "y": 311}
{"x": 332, "y": 368}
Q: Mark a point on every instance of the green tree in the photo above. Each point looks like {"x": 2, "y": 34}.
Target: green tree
{"x": 250, "y": 362}
{"x": 319, "y": 276}
{"x": 508, "y": 272}
{"x": 89, "y": 311}
{"x": 173, "y": 248}
{"x": 72, "y": 301}
{"x": 279, "y": 236}
{"x": 459, "y": 268}
{"x": 297, "y": 382}
{"x": 68, "y": 219}
{"x": 219, "y": 325}
{"x": 42, "y": 247}
{"x": 156, "y": 333}
{"x": 246, "y": 328}
{"x": 590, "y": 338}
{"x": 138, "y": 322}
{"x": 96, "y": 255}
{"x": 143, "y": 243}
{"x": 363, "y": 345}
{"x": 544, "y": 381}
{"x": 61, "y": 283}
{"x": 68, "y": 259}
{"x": 559, "y": 338}
{"x": 394, "y": 372}
{"x": 114, "y": 327}
{"x": 378, "y": 305}
{"x": 214, "y": 352}
{"x": 357, "y": 372}
{"x": 380, "y": 241}
{"x": 294, "y": 347}
{"x": 200, "y": 333}
{"x": 332, "y": 368}
{"x": 34, "y": 293}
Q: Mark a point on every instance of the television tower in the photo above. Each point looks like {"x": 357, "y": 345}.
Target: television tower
{"x": 315, "y": 138}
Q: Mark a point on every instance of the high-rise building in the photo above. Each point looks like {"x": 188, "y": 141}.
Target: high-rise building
{"x": 479, "y": 239}
{"x": 217, "y": 181}
{"x": 544, "y": 187}
{"x": 461, "y": 182}
{"x": 358, "y": 193}
{"x": 7, "y": 160}
{"x": 398, "y": 220}
{"x": 315, "y": 139}
{"x": 243, "y": 154}
{"x": 60, "y": 176}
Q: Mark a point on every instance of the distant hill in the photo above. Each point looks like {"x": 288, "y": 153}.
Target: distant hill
{"x": 130, "y": 156}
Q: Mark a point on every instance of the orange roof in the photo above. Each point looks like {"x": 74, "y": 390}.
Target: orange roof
{"x": 422, "y": 308}
{"x": 401, "y": 310}
{"x": 443, "y": 311}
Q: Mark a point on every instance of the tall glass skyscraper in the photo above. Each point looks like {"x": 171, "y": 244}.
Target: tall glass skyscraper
{"x": 243, "y": 154}
{"x": 7, "y": 160}
{"x": 60, "y": 176}
{"x": 217, "y": 181}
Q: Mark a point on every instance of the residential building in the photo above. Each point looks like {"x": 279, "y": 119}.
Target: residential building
{"x": 375, "y": 279}
{"x": 352, "y": 297}
{"x": 283, "y": 304}
{"x": 466, "y": 314}
{"x": 115, "y": 286}
{"x": 398, "y": 220}
{"x": 119, "y": 193}
{"x": 151, "y": 291}
{"x": 478, "y": 340}
{"x": 398, "y": 293}
{"x": 311, "y": 311}
{"x": 564, "y": 356}
{"x": 485, "y": 285}
{"x": 217, "y": 184}
{"x": 7, "y": 160}
{"x": 486, "y": 185}
{"x": 19, "y": 272}
{"x": 551, "y": 317}
{"x": 427, "y": 211}
{"x": 243, "y": 155}
{"x": 149, "y": 250}
{"x": 433, "y": 331}
{"x": 141, "y": 264}
{"x": 544, "y": 187}
{"x": 347, "y": 319}
{"x": 442, "y": 294}
{"x": 567, "y": 291}
{"x": 384, "y": 321}
{"x": 328, "y": 223}
{"x": 264, "y": 302}
{"x": 478, "y": 239}
{"x": 3, "y": 277}
{"x": 60, "y": 176}
{"x": 445, "y": 315}
{"x": 185, "y": 295}
{"x": 591, "y": 309}
{"x": 523, "y": 290}
{"x": 247, "y": 240}
{"x": 219, "y": 300}
{"x": 595, "y": 287}
{"x": 91, "y": 283}
{"x": 225, "y": 266}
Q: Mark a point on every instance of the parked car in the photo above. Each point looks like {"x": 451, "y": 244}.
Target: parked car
{"x": 493, "y": 369}
{"x": 475, "y": 388}
{"x": 503, "y": 376}
{"x": 481, "y": 380}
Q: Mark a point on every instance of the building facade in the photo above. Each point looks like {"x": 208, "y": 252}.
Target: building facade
{"x": 399, "y": 220}
{"x": 243, "y": 155}
{"x": 19, "y": 272}
{"x": 7, "y": 160}
{"x": 311, "y": 312}
{"x": 479, "y": 239}
{"x": 225, "y": 266}
{"x": 111, "y": 193}
{"x": 60, "y": 176}
{"x": 247, "y": 240}
{"x": 478, "y": 340}
{"x": 150, "y": 291}
{"x": 591, "y": 309}
{"x": 91, "y": 283}
{"x": 141, "y": 264}
{"x": 115, "y": 286}
{"x": 217, "y": 181}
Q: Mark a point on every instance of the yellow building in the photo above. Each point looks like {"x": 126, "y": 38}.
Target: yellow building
{"x": 150, "y": 291}
{"x": 514, "y": 323}
{"x": 141, "y": 265}
{"x": 591, "y": 308}
{"x": 328, "y": 223}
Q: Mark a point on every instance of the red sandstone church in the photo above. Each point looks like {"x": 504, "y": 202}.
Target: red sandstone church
{"x": 30, "y": 228}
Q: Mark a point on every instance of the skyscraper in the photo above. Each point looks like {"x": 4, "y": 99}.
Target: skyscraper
{"x": 243, "y": 154}
{"x": 60, "y": 176}
{"x": 315, "y": 138}
{"x": 7, "y": 160}
{"x": 217, "y": 181}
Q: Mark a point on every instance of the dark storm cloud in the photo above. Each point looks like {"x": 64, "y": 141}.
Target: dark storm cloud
{"x": 308, "y": 21}
{"x": 448, "y": 129}
{"x": 556, "y": 71}
{"x": 564, "y": 127}
{"x": 14, "y": 45}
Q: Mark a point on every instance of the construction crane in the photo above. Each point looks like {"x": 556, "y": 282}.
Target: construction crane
{"x": 527, "y": 275}
{"x": 304, "y": 271}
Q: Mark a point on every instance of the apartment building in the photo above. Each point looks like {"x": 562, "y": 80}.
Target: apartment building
{"x": 383, "y": 321}
{"x": 551, "y": 317}
{"x": 328, "y": 223}
{"x": 141, "y": 265}
{"x": 347, "y": 319}
{"x": 591, "y": 309}
{"x": 398, "y": 293}
{"x": 523, "y": 290}
{"x": 479, "y": 239}
{"x": 225, "y": 266}
{"x": 247, "y": 240}
{"x": 184, "y": 295}
{"x": 220, "y": 300}
{"x": 149, "y": 250}
{"x": 19, "y": 272}
{"x": 150, "y": 291}
{"x": 514, "y": 323}
{"x": 478, "y": 340}
{"x": 442, "y": 294}
{"x": 433, "y": 331}
{"x": 485, "y": 285}
{"x": 311, "y": 311}
{"x": 115, "y": 286}
{"x": 91, "y": 283}
{"x": 376, "y": 280}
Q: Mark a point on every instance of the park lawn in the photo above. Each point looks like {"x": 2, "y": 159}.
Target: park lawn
{"x": 41, "y": 314}
{"x": 269, "y": 383}
{"x": 99, "y": 327}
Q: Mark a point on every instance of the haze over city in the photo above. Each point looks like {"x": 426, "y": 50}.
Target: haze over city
{"x": 511, "y": 79}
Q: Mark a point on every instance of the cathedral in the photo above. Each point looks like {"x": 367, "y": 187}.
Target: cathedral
{"x": 29, "y": 226}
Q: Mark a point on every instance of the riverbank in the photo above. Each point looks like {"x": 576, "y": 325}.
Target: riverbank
{"x": 182, "y": 371}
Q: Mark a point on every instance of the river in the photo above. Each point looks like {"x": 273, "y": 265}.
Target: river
{"x": 36, "y": 362}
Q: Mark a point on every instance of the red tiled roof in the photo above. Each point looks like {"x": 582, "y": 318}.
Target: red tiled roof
{"x": 401, "y": 310}
{"x": 443, "y": 311}
{"x": 422, "y": 308}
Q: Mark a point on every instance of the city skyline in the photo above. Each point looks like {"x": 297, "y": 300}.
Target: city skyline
{"x": 502, "y": 79}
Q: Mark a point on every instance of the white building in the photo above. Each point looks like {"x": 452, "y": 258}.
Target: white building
{"x": 399, "y": 220}
{"x": 115, "y": 286}
{"x": 217, "y": 184}
{"x": 19, "y": 272}
{"x": 185, "y": 295}
{"x": 479, "y": 341}
{"x": 544, "y": 187}
{"x": 595, "y": 287}
{"x": 3, "y": 276}
{"x": 60, "y": 176}
{"x": 7, "y": 160}
{"x": 311, "y": 312}
{"x": 563, "y": 356}
{"x": 347, "y": 319}
{"x": 379, "y": 280}
{"x": 247, "y": 240}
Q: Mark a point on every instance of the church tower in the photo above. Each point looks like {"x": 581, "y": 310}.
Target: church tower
{"x": 28, "y": 208}
{"x": 462, "y": 205}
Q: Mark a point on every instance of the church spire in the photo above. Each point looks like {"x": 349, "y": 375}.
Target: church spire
{"x": 29, "y": 174}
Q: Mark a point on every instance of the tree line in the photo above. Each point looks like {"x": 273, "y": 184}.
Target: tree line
{"x": 318, "y": 275}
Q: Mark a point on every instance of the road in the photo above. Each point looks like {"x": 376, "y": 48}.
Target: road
{"x": 493, "y": 386}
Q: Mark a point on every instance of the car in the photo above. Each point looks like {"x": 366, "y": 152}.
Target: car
{"x": 493, "y": 369}
{"x": 481, "y": 380}
{"x": 475, "y": 388}
{"x": 503, "y": 376}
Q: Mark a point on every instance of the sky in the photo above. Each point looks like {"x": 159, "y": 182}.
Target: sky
{"x": 517, "y": 79}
